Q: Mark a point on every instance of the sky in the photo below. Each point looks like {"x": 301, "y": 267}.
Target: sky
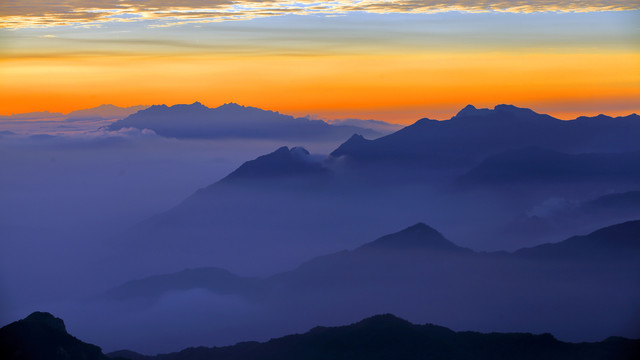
{"x": 389, "y": 60}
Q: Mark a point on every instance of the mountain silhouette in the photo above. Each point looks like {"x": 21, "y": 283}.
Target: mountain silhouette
{"x": 233, "y": 121}
{"x": 41, "y": 336}
{"x": 389, "y": 337}
{"x": 106, "y": 111}
{"x": 473, "y": 134}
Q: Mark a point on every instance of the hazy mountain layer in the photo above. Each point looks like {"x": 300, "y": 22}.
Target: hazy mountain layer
{"x": 420, "y": 274}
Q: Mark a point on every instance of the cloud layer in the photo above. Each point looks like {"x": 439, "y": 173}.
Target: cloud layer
{"x": 38, "y": 13}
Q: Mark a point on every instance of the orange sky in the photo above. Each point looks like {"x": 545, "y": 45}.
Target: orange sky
{"x": 396, "y": 61}
{"x": 409, "y": 87}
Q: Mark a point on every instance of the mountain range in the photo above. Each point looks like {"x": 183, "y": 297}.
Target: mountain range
{"x": 473, "y": 134}
{"x": 495, "y": 199}
{"x": 236, "y": 121}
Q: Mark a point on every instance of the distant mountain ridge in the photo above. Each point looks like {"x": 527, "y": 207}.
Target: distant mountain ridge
{"x": 233, "y": 121}
{"x": 620, "y": 240}
{"x": 473, "y": 134}
{"x": 105, "y": 111}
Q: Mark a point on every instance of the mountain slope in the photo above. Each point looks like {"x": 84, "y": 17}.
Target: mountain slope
{"x": 613, "y": 242}
{"x": 283, "y": 163}
{"x": 538, "y": 165}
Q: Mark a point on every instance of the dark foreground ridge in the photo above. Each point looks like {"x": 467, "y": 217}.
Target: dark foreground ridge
{"x": 389, "y": 337}
{"x": 41, "y": 336}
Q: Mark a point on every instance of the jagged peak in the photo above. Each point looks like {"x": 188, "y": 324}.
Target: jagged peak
{"x": 231, "y": 105}
{"x": 295, "y": 152}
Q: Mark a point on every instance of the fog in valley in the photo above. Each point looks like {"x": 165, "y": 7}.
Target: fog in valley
{"x": 156, "y": 243}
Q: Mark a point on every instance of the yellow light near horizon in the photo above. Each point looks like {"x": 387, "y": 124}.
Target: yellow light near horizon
{"x": 338, "y": 85}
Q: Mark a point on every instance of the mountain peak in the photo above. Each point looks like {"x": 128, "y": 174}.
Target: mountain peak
{"x": 282, "y": 162}
{"x": 418, "y": 236}
{"x": 46, "y": 319}
{"x": 353, "y": 143}
{"x": 466, "y": 110}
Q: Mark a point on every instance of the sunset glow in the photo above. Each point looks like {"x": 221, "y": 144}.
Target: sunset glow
{"x": 386, "y": 62}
